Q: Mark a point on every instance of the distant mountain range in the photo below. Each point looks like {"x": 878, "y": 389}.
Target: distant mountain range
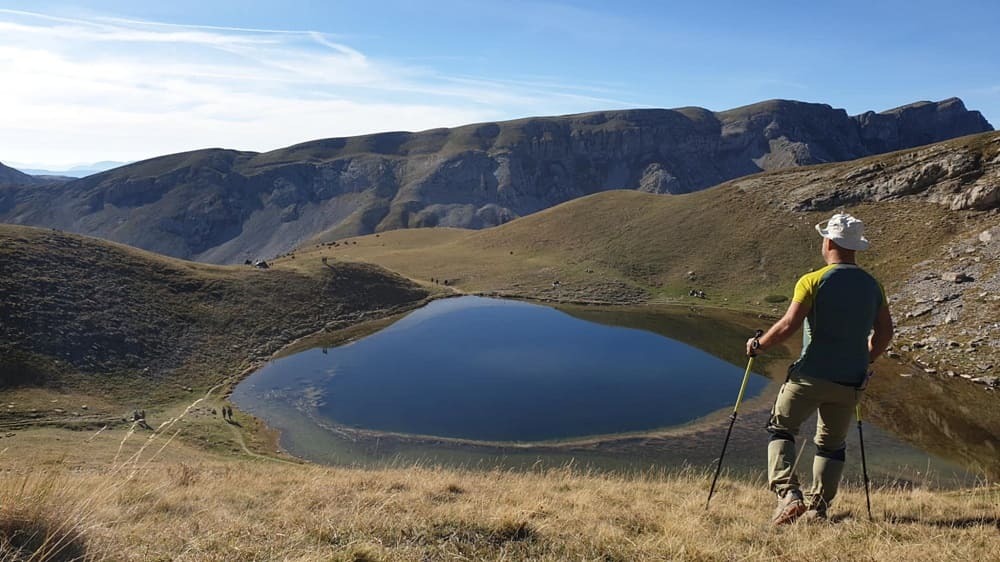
{"x": 224, "y": 206}
{"x": 80, "y": 171}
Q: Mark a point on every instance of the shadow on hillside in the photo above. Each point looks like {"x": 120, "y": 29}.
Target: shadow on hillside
{"x": 36, "y": 534}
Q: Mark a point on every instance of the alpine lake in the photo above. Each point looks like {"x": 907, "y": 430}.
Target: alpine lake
{"x": 488, "y": 383}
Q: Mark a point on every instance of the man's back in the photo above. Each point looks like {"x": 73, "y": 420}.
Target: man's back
{"x": 843, "y": 302}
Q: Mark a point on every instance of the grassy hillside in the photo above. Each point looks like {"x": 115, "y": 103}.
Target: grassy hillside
{"x": 743, "y": 240}
{"x": 10, "y": 176}
{"x": 126, "y": 327}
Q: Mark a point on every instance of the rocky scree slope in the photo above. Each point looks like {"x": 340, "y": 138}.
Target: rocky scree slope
{"x": 226, "y": 206}
{"x": 949, "y": 309}
{"x": 77, "y": 309}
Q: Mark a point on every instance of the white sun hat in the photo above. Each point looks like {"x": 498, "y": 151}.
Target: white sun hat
{"x": 847, "y": 231}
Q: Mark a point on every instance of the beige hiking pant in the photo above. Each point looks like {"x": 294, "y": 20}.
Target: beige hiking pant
{"x": 798, "y": 398}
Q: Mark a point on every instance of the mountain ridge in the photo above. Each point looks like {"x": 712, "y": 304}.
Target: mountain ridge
{"x": 225, "y": 206}
{"x": 14, "y": 177}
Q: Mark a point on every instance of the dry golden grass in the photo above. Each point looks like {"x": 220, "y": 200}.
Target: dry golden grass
{"x": 127, "y": 495}
{"x": 246, "y": 510}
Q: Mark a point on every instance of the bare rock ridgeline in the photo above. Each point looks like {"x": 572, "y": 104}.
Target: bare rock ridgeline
{"x": 962, "y": 175}
{"x": 225, "y": 206}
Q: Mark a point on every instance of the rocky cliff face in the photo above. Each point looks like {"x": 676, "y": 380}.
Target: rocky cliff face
{"x": 962, "y": 175}
{"x": 225, "y": 206}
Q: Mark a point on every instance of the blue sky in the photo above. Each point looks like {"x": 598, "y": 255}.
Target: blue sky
{"x": 116, "y": 80}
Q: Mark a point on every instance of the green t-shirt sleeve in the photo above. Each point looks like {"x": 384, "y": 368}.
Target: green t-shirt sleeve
{"x": 881, "y": 292}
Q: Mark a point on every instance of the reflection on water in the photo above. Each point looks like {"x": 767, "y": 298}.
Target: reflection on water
{"x": 493, "y": 370}
{"x": 490, "y": 370}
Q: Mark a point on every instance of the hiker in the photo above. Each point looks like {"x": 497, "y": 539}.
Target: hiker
{"x": 840, "y": 304}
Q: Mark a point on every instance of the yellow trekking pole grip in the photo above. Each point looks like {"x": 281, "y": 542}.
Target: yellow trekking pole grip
{"x": 857, "y": 410}
{"x": 746, "y": 374}
{"x": 743, "y": 386}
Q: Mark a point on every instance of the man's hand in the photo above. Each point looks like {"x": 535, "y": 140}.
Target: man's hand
{"x": 752, "y": 347}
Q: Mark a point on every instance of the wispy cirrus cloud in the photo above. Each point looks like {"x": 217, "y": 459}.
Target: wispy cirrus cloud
{"x": 79, "y": 90}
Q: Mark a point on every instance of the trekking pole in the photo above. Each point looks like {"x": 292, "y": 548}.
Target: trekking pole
{"x": 864, "y": 463}
{"x": 798, "y": 457}
{"x": 732, "y": 417}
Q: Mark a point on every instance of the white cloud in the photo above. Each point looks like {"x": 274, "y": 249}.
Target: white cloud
{"x": 78, "y": 90}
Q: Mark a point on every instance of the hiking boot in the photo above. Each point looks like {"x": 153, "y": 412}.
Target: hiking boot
{"x": 814, "y": 514}
{"x": 816, "y": 509}
{"x": 790, "y": 507}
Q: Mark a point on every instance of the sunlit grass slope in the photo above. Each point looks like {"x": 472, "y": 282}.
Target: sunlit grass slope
{"x": 211, "y": 509}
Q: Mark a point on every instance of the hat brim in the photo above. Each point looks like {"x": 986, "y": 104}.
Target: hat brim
{"x": 857, "y": 244}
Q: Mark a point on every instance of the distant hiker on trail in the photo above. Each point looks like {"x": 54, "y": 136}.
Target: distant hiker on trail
{"x": 840, "y": 304}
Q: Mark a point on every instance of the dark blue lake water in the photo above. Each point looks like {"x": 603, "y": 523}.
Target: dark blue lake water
{"x": 497, "y": 370}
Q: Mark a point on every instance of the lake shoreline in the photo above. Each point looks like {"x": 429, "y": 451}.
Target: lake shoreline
{"x": 625, "y": 444}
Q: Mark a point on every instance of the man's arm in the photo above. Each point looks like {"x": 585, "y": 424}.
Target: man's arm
{"x": 880, "y": 338}
{"x": 782, "y": 329}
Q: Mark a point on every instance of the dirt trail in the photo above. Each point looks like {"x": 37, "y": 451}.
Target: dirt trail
{"x": 236, "y": 429}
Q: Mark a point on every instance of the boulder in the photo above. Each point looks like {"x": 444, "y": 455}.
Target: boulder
{"x": 920, "y": 311}
{"x": 990, "y": 235}
{"x": 955, "y": 277}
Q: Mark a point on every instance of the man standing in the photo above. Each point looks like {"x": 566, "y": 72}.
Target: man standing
{"x": 847, "y": 326}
